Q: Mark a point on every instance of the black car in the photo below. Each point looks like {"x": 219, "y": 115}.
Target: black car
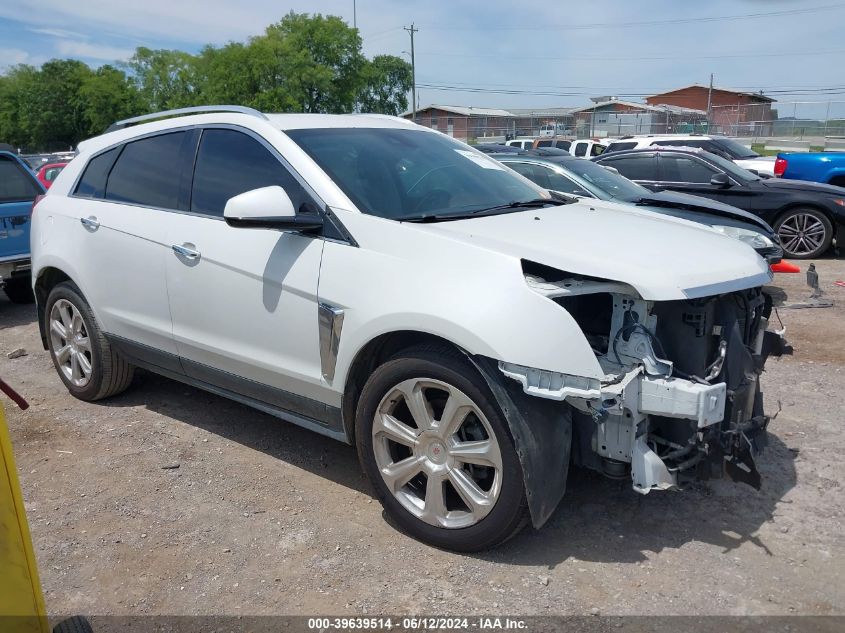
{"x": 579, "y": 177}
{"x": 806, "y": 215}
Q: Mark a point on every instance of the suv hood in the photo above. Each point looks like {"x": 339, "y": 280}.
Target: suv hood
{"x": 662, "y": 257}
{"x": 677, "y": 200}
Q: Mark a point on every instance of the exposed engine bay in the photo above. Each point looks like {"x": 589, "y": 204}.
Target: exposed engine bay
{"x": 680, "y": 397}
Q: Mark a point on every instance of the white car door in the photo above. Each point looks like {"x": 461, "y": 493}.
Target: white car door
{"x": 244, "y": 300}
{"x": 122, "y": 206}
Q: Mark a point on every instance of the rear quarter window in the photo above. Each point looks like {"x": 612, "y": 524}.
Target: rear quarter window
{"x": 148, "y": 172}
{"x": 16, "y": 184}
{"x": 93, "y": 181}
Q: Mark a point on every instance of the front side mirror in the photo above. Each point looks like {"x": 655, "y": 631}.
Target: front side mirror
{"x": 720, "y": 180}
{"x": 268, "y": 208}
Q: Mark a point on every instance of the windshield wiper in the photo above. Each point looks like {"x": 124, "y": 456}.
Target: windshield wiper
{"x": 499, "y": 208}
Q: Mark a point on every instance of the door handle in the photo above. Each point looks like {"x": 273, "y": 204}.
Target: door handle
{"x": 90, "y": 223}
{"x": 185, "y": 251}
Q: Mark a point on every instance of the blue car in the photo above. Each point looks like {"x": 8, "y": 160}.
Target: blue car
{"x": 18, "y": 190}
{"x": 824, "y": 167}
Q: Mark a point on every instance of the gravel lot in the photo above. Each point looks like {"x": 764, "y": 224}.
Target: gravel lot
{"x": 261, "y": 517}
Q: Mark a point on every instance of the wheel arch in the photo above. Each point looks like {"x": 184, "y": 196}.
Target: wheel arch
{"x": 47, "y": 279}
{"x": 791, "y": 206}
{"x": 374, "y": 353}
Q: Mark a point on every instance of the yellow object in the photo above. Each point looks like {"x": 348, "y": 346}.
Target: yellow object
{"x": 20, "y": 588}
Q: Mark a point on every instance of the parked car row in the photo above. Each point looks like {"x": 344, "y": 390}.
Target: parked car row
{"x": 806, "y": 216}
{"x": 722, "y": 146}
{"x": 470, "y": 332}
{"x": 570, "y": 175}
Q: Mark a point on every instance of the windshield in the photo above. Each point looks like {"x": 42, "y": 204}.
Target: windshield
{"x": 743, "y": 175}
{"x": 403, "y": 174}
{"x": 735, "y": 149}
{"x": 613, "y": 184}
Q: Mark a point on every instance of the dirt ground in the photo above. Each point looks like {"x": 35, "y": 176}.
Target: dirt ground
{"x": 261, "y": 517}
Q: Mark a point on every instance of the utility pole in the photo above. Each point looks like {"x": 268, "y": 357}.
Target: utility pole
{"x": 709, "y": 102}
{"x": 414, "y": 106}
{"x": 354, "y": 15}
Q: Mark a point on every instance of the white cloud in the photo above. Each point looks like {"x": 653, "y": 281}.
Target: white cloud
{"x": 72, "y": 48}
{"x": 13, "y": 56}
{"x": 59, "y": 33}
{"x": 487, "y": 51}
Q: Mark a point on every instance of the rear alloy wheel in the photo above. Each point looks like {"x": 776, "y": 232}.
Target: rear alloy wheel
{"x": 438, "y": 452}
{"x": 85, "y": 360}
{"x": 804, "y": 233}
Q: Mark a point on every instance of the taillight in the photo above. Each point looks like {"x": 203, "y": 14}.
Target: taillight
{"x": 38, "y": 199}
{"x": 780, "y": 166}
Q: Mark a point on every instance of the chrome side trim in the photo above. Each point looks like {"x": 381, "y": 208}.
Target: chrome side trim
{"x": 330, "y": 323}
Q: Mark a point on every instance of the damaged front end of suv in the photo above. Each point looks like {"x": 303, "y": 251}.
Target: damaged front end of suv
{"x": 680, "y": 397}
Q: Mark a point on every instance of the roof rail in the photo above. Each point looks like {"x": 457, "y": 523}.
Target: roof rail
{"x": 119, "y": 125}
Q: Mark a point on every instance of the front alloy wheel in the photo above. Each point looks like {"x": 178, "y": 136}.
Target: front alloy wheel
{"x": 436, "y": 453}
{"x": 439, "y": 453}
{"x": 804, "y": 233}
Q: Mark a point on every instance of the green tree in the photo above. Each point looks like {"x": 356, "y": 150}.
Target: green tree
{"x": 165, "y": 79}
{"x": 315, "y": 63}
{"x": 386, "y": 82}
{"x": 53, "y": 112}
{"x": 107, "y": 96}
{"x": 15, "y": 116}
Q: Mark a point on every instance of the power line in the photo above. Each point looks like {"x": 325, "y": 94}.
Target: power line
{"x": 597, "y": 89}
{"x": 619, "y": 25}
{"x": 549, "y": 93}
{"x": 630, "y": 58}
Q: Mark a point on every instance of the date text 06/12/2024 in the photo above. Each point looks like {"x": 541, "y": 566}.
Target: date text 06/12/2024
{"x": 414, "y": 623}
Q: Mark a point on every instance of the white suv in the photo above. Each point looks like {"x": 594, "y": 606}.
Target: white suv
{"x": 387, "y": 286}
{"x": 722, "y": 146}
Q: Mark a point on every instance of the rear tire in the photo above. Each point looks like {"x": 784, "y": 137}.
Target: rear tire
{"x": 455, "y": 485}
{"x": 88, "y": 365}
{"x": 75, "y": 624}
{"x": 804, "y": 233}
{"x": 19, "y": 290}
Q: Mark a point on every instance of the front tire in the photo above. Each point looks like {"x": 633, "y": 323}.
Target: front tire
{"x": 804, "y": 233}
{"x": 84, "y": 359}
{"x": 438, "y": 452}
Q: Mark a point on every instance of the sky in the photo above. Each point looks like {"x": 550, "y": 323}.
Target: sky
{"x": 494, "y": 53}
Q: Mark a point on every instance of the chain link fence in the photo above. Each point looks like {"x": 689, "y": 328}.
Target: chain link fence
{"x": 810, "y": 125}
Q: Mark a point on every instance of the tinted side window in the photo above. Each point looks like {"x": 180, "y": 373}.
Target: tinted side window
{"x": 230, "y": 163}
{"x": 597, "y": 150}
{"x": 580, "y": 149}
{"x": 615, "y": 147}
{"x": 685, "y": 169}
{"x": 544, "y": 143}
{"x": 635, "y": 167}
{"x": 93, "y": 181}
{"x": 532, "y": 172}
{"x": 680, "y": 143}
{"x": 15, "y": 184}
{"x": 148, "y": 172}
{"x": 563, "y": 144}
{"x": 559, "y": 182}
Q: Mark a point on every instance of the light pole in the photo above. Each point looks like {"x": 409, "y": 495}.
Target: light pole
{"x": 354, "y": 15}
{"x": 413, "y": 30}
